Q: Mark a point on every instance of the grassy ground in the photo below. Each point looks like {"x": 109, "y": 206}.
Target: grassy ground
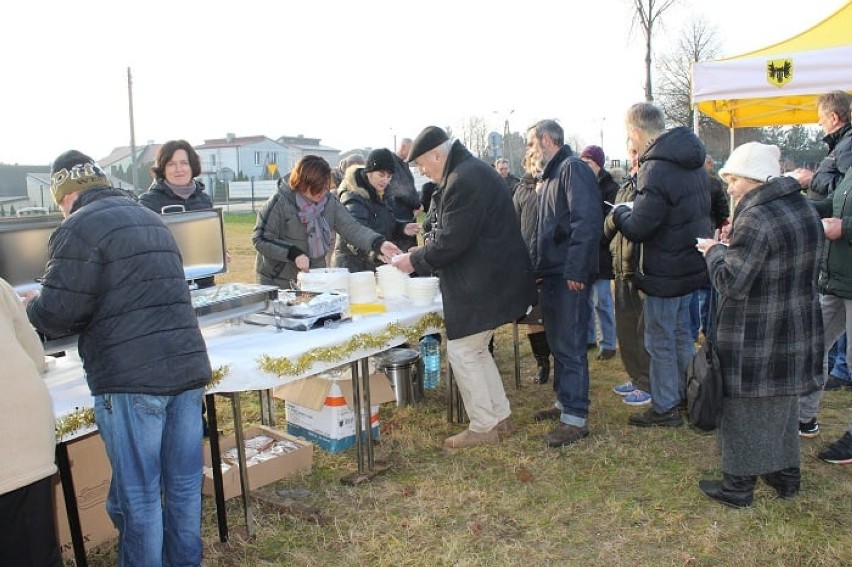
{"x": 623, "y": 496}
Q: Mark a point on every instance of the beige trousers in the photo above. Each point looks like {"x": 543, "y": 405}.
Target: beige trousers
{"x": 479, "y": 381}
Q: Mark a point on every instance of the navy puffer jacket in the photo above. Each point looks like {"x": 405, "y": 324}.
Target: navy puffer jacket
{"x": 115, "y": 276}
{"x": 671, "y": 210}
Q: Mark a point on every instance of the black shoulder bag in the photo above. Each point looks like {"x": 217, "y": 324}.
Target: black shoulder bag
{"x": 704, "y": 388}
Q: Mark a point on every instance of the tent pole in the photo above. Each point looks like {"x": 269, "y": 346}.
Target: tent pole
{"x": 696, "y": 119}
{"x": 732, "y": 137}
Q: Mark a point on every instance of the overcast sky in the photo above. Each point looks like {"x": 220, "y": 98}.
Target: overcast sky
{"x": 354, "y": 74}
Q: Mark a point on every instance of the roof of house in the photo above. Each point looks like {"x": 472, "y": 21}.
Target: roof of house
{"x": 145, "y": 154}
{"x": 231, "y": 142}
{"x": 13, "y": 178}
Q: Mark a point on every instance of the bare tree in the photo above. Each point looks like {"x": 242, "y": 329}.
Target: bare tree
{"x": 648, "y": 14}
{"x": 474, "y": 135}
{"x": 697, "y": 42}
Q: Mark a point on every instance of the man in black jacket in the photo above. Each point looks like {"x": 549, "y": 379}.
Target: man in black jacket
{"x": 671, "y": 210}
{"x": 115, "y": 277}
{"x": 401, "y": 194}
{"x": 477, "y": 251}
{"x": 834, "y": 115}
{"x": 565, "y": 257}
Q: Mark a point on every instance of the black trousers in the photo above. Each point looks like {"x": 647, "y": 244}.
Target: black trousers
{"x": 27, "y": 529}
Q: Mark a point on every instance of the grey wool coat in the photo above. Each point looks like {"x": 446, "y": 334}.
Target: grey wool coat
{"x": 280, "y": 237}
{"x": 769, "y": 328}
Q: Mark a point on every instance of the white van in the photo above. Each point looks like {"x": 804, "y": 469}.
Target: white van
{"x": 32, "y": 212}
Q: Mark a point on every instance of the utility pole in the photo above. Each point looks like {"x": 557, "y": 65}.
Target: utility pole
{"x": 132, "y": 133}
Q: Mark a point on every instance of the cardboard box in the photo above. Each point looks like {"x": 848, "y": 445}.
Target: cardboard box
{"x": 319, "y": 409}
{"x": 260, "y": 474}
{"x": 91, "y": 473}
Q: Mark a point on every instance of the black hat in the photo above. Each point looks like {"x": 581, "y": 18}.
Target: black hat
{"x": 380, "y": 160}
{"x": 430, "y": 138}
{"x": 74, "y": 172}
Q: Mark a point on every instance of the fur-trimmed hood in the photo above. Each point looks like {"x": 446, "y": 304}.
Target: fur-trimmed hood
{"x": 355, "y": 182}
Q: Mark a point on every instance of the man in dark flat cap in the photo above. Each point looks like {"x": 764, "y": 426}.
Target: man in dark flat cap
{"x": 478, "y": 253}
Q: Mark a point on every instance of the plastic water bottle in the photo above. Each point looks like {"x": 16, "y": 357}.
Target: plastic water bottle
{"x": 430, "y": 355}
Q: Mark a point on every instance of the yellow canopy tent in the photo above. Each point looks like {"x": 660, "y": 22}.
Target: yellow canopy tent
{"x": 779, "y": 84}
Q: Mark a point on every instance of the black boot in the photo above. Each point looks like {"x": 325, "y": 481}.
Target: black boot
{"x": 786, "y": 482}
{"x": 541, "y": 352}
{"x": 733, "y": 490}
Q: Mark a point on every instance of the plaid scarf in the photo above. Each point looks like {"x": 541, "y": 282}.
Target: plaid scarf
{"x": 320, "y": 235}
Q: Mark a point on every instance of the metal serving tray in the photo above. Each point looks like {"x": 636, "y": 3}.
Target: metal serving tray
{"x": 232, "y": 300}
{"x": 297, "y": 303}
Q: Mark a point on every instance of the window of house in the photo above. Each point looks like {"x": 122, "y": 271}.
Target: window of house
{"x": 258, "y": 158}
{"x": 213, "y": 160}
{"x": 272, "y": 157}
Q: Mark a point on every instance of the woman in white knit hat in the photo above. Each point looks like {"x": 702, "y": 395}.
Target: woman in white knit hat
{"x": 768, "y": 324}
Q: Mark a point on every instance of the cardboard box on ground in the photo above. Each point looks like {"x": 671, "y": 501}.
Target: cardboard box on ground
{"x": 286, "y": 463}
{"x": 319, "y": 408}
{"x": 91, "y": 473}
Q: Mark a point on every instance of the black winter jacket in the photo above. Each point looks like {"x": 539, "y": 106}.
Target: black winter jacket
{"x": 402, "y": 198}
{"x": 833, "y": 167}
{"x": 159, "y": 195}
{"x": 609, "y": 190}
{"x": 477, "y": 249}
{"x": 115, "y": 276}
{"x": 369, "y": 209}
{"x": 720, "y": 206}
{"x": 671, "y": 210}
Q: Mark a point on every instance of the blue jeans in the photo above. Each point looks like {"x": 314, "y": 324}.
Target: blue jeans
{"x": 706, "y": 296}
{"x": 566, "y": 322}
{"x": 668, "y": 340}
{"x": 694, "y": 314}
{"x": 154, "y": 447}
{"x": 837, "y": 366}
{"x": 600, "y": 302}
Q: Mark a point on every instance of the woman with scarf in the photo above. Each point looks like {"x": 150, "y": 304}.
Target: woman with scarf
{"x": 362, "y": 192}
{"x": 174, "y": 171}
{"x": 296, "y": 226}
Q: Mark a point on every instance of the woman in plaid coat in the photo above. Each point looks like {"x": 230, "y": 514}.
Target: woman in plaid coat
{"x": 769, "y": 324}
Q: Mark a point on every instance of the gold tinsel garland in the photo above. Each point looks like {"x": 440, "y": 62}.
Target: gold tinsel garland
{"x": 81, "y": 418}
{"x": 283, "y": 366}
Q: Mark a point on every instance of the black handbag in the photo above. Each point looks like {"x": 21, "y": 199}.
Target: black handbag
{"x": 704, "y": 388}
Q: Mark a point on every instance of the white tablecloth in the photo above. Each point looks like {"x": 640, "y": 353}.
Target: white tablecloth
{"x": 240, "y": 347}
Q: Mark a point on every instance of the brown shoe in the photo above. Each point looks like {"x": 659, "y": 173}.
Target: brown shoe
{"x": 468, "y": 438}
{"x": 548, "y": 414}
{"x": 505, "y": 428}
{"x": 564, "y": 434}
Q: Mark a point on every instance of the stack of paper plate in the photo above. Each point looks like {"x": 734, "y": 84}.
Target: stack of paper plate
{"x": 362, "y": 287}
{"x": 422, "y": 291}
{"x": 324, "y": 279}
{"x": 392, "y": 281}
